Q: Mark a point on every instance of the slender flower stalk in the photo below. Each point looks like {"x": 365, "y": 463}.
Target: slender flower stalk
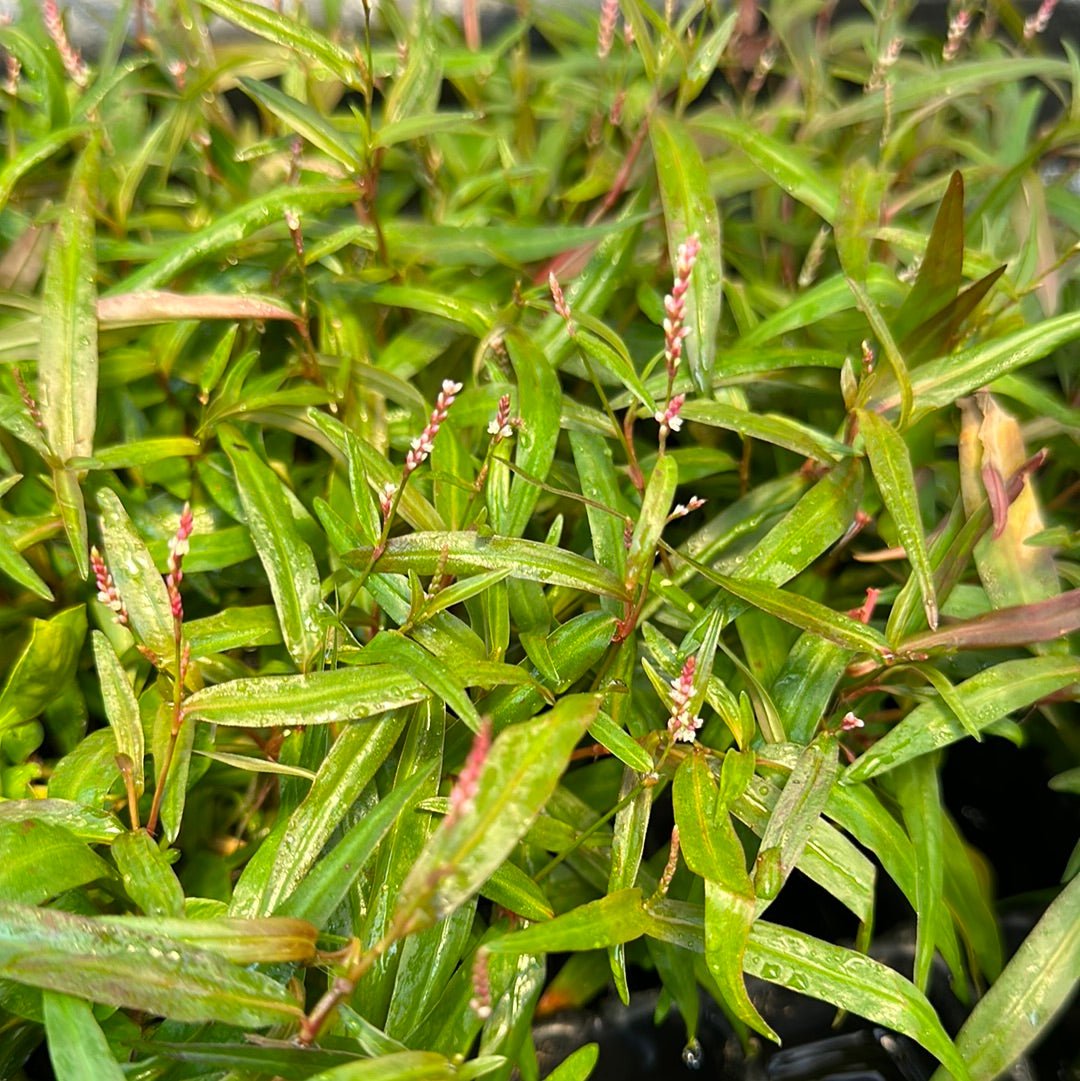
{"x": 682, "y": 725}
{"x": 69, "y": 55}
{"x": 108, "y": 594}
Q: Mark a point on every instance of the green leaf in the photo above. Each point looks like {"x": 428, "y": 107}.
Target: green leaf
{"x": 135, "y": 969}
{"x": 538, "y": 402}
{"x": 148, "y": 879}
{"x": 942, "y": 266}
{"x": 305, "y": 121}
{"x": 511, "y": 888}
{"x": 655, "y": 507}
{"x": 920, "y": 804}
{"x": 987, "y": 697}
{"x": 862, "y": 188}
{"x": 39, "y": 860}
{"x": 44, "y": 666}
{"x": 618, "y": 917}
{"x": 285, "y": 857}
{"x": 521, "y": 771}
{"x": 291, "y": 33}
{"x": 940, "y": 382}
{"x": 230, "y": 229}
{"x": 86, "y": 823}
{"x": 1035, "y": 986}
{"x": 467, "y": 553}
{"x": 68, "y": 358}
{"x": 783, "y": 161}
{"x": 769, "y": 427}
{"x": 850, "y": 981}
{"x": 121, "y": 707}
{"x": 78, "y": 1049}
{"x": 140, "y": 452}
{"x": 610, "y": 736}
{"x": 402, "y": 1066}
{"x": 33, "y": 155}
{"x": 287, "y": 560}
{"x": 800, "y": 805}
{"x": 712, "y": 850}
{"x": 891, "y": 465}
{"x": 337, "y": 695}
{"x": 578, "y": 1065}
{"x": 330, "y": 880}
{"x": 690, "y": 208}
{"x": 415, "y": 662}
{"x": 19, "y": 570}
{"x": 141, "y": 588}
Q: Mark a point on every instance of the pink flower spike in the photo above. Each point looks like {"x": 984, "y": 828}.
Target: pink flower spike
{"x": 386, "y": 497}
{"x": 958, "y": 28}
{"x": 681, "y": 724}
{"x": 561, "y": 305}
{"x": 609, "y": 16}
{"x": 683, "y": 509}
{"x": 178, "y": 548}
{"x": 424, "y": 443}
{"x": 480, "y": 1003}
{"x": 500, "y": 428}
{"x": 463, "y": 793}
{"x": 108, "y": 594}
{"x": 675, "y": 303}
{"x": 1037, "y": 23}
{"x": 669, "y": 419}
{"x": 69, "y": 56}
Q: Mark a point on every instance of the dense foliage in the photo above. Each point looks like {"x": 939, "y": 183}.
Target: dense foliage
{"x": 436, "y": 463}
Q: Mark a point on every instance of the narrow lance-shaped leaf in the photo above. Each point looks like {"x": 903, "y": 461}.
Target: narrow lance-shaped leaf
{"x": 465, "y": 553}
{"x": 941, "y": 269}
{"x": 1032, "y": 990}
{"x": 798, "y": 810}
{"x": 712, "y": 850}
{"x": 521, "y": 771}
{"x": 68, "y": 365}
{"x": 44, "y": 666}
{"x": 920, "y": 804}
{"x": 988, "y": 696}
{"x": 689, "y": 208}
{"x": 891, "y": 465}
{"x": 287, "y": 560}
{"x": 141, "y": 588}
{"x": 77, "y": 1046}
{"x": 135, "y": 969}
{"x": 148, "y": 879}
{"x": 121, "y": 707}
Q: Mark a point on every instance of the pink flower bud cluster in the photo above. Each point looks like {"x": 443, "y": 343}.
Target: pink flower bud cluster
{"x": 178, "y": 548}
{"x": 668, "y": 418}
{"x": 386, "y": 498}
{"x": 682, "y": 725}
{"x": 424, "y": 443}
{"x": 609, "y": 16}
{"x": 28, "y": 399}
{"x": 464, "y": 792}
{"x": 675, "y": 303}
{"x": 480, "y": 1003}
{"x": 561, "y": 305}
{"x": 681, "y": 510}
{"x": 502, "y": 427}
{"x": 108, "y": 594}
{"x": 672, "y": 864}
{"x": 69, "y": 56}
{"x": 851, "y": 722}
{"x": 958, "y": 28}
{"x": 1037, "y": 23}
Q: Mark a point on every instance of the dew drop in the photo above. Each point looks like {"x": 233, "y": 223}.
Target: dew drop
{"x": 693, "y": 1055}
